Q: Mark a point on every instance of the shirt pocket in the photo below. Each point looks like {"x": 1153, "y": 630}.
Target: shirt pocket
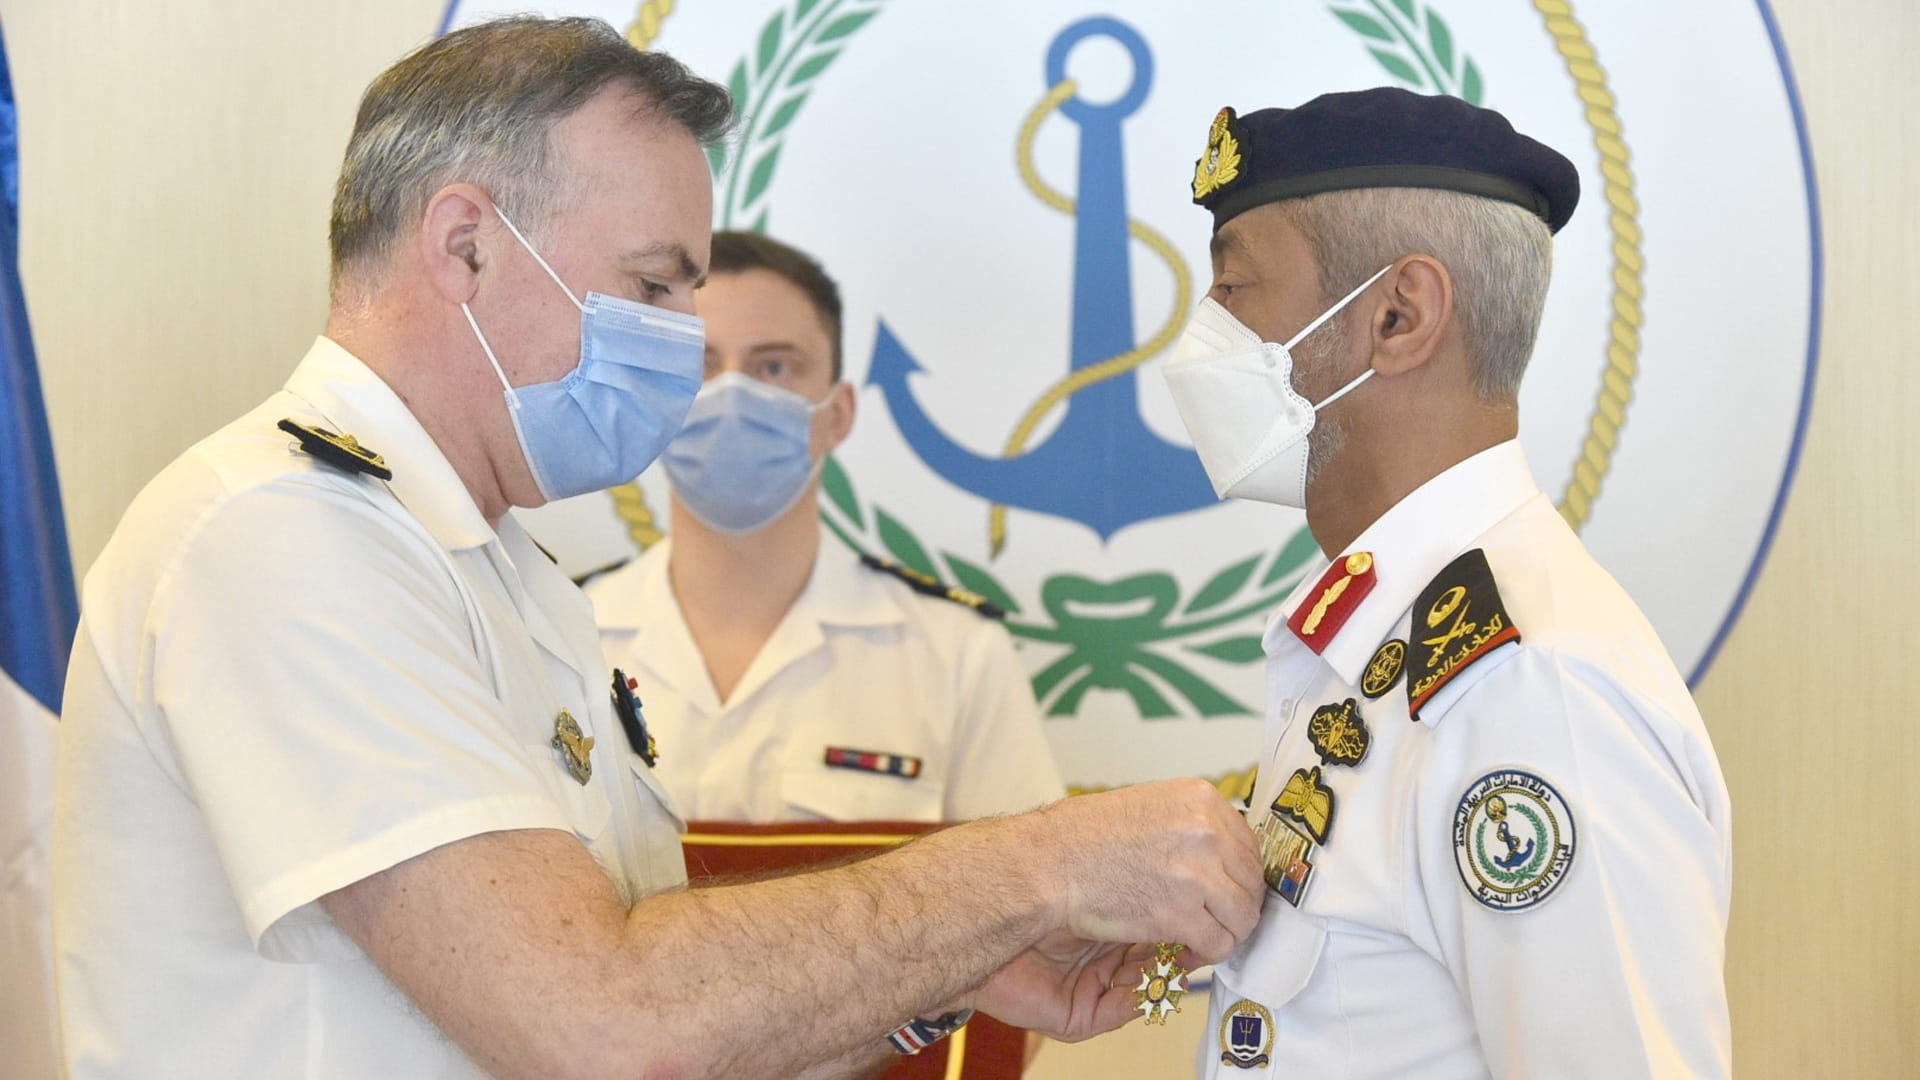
{"x": 585, "y": 806}
{"x": 816, "y": 792}
{"x": 1276, "y": 961}
{"x": 651, "y": 788}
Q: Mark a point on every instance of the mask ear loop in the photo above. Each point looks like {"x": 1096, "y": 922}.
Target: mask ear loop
{"x": 515, "y": 230}
{"x": 1330, "y": 312}
{"x": 513, "y": 399}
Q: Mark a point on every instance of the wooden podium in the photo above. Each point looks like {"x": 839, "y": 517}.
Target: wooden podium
{"x": 985, "y": 1049}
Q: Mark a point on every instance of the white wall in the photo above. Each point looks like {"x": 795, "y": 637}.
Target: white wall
{"x": 177, "y": 165}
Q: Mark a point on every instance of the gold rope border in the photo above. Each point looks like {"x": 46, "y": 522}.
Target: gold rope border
{"x": 628, "y": 500}
{"x": 646, "y": 23}
{"x": 1112, "y": 367}
{"x": 1623, "y": 350}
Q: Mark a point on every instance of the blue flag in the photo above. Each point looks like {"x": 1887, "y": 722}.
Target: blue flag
{"x": 37, "y": 619}
{"x": 37, "y": 606}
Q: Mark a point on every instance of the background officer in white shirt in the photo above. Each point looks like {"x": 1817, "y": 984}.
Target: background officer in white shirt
{"x": 342, "y": 788}
{"x": 785, "y": 680}
{"x": 1496, "y": 839}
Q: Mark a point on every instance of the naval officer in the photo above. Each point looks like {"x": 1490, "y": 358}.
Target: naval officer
{"x": 1495, "y": 837}
{"x": 344, "y": 789}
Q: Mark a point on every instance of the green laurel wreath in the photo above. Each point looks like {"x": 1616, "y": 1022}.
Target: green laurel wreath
{"x": 769, "y": 86}
{"x": 1526, "y": 873}
{"x": 1122, "y": 635}
{"x": 1414, "y": 44}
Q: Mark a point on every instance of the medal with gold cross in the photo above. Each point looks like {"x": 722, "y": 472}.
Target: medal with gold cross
{"x": 1161, "y": 986}
{"x": 1339, "y": 734}
{"x": 573, "y": 747}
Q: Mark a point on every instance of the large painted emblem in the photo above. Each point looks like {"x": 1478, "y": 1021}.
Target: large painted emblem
{"x": 1004, "y": 192}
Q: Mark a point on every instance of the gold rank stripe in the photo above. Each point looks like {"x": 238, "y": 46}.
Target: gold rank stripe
{"x": 796, "y": 840}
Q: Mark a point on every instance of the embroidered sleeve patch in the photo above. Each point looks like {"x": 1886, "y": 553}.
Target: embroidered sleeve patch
{"x": 1513, "y": 839}
{"x": 1457, "y": 619}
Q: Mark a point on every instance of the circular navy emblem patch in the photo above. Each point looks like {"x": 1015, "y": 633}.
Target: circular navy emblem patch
{"x": 1513, "y": 839}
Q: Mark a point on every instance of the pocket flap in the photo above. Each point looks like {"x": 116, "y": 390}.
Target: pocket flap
{"x": 1277, "y": 959}
{"x": 849, "y": 795}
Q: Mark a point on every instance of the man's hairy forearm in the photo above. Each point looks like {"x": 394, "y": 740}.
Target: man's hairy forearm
{"x": 516, "y": 944}
{"x": 927, "y": 923}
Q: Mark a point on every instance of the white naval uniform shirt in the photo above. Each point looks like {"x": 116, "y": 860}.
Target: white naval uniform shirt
{"x": 1390, "y": 967}
{"x": 859, "y": 662}
{"x": 288, "y": 678}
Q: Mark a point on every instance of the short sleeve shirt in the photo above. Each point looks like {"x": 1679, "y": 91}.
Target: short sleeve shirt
{"x": 869, "y": 702}
{"x": 289, "y": 677}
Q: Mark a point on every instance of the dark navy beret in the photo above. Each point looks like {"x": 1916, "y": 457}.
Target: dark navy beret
{"x": 1384, "y": 137}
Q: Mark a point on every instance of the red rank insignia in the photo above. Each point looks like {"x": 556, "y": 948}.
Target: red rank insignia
{"x": 1334, "y": 596}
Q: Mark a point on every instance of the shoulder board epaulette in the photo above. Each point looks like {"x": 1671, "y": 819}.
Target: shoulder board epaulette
{"x": 339, "y": 451}
{"x": 581, "y": 581}
{"x": 932, "y": 586}
{"x": 1457, "y": 619}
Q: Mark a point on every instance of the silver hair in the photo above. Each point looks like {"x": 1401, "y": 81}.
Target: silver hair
{"x": 1500, "y": 257}
{"x": 479, "y": 105}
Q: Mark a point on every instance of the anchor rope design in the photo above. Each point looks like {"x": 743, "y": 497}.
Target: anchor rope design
{"x": 1112, "y": 367}
{"x": 646, "y": 23}
{"x": 1623, "y": 350}
{"x": 629, "y": 501}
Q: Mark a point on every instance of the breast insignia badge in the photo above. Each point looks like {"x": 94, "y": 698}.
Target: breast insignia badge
{"x": 1246, "y": 1035}
{"x": 573, "y": 747}
{"x": 1161, "y": 984}
{"x": 626, "y": 706}
{"x": 905, "y": 766}
{"x": 1389, "y": 660}
{"x": 1339, "y": 734}
{"x": 1283, "y": 856}
{"x": 340, "y": 451}
{"x": 1306, "y": 800}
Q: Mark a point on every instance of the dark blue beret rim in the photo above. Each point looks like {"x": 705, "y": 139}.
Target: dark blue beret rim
{"x": 1232, "y": 204}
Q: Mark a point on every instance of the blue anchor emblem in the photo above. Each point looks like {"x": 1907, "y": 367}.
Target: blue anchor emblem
{"x": 1102, "y": 465}
{"x": 1517, "y": 854}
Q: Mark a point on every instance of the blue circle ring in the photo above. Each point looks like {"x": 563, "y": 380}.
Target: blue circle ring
{"x": 1813, "y": 355}
{"x": 1129, "y": 38}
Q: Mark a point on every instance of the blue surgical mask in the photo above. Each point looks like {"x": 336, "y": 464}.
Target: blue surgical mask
{"x": 609, "y": 417}
{"x": 742, "y": 458}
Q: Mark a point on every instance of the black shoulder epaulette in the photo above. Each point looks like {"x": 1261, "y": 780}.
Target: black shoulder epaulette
{"x": 339, "y": 451}
{"x": 932, "y": 586}
{"x": 1457, "y": 620}
{"x": 581, "y": 581}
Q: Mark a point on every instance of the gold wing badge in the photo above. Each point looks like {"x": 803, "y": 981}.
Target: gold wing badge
{"x": 1220, "y": 165}
{"x": 1306, "y": 800}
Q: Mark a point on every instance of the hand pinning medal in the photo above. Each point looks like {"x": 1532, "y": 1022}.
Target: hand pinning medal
{"x": 1161, "y": 986}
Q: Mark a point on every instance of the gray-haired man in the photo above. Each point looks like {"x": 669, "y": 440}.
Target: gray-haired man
{"x": 342, "y": 788}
